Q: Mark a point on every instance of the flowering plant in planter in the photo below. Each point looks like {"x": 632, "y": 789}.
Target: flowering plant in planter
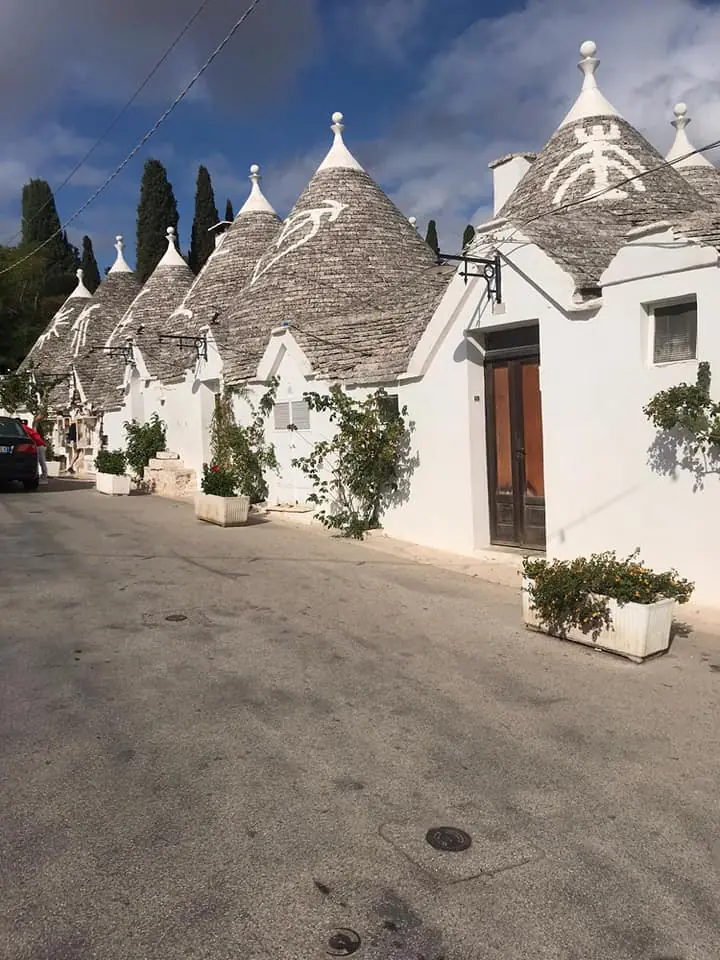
{"x": 219, "y": 481}
{"x": 567, "y": 594}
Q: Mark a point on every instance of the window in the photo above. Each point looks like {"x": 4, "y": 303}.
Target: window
{"x": 675, "y": 332}
{"x": 295, "y": 414}
{"x": 389, "y": 407}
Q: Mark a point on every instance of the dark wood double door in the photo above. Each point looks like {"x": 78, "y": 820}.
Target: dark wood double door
{"x": 516, "y": 478}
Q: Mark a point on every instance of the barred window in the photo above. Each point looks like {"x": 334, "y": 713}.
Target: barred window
{"x": 675, "y": 332}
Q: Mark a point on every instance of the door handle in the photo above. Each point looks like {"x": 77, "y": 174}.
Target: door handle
{"x": 520, "y": 453}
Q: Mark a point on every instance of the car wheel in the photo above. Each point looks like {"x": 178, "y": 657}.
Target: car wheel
{"x": 31, "y": 485}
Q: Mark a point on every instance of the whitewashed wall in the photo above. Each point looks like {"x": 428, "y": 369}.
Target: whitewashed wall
{"x": 597, "y": 374}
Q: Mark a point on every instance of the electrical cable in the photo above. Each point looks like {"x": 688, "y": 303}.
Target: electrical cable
{"x": 141, "y": 143}
{"x": 118, "y": 117}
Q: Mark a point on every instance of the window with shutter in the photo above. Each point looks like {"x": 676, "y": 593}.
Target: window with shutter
{"x": 282, "y": 416}
{"x": 300, "y": 415}
{"x": 675, "y": 332}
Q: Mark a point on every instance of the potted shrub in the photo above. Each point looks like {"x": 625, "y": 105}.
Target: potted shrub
{"x": 110, "y": 477}
{"x": 614, "y": 604}
{"x": 219, "y": 501}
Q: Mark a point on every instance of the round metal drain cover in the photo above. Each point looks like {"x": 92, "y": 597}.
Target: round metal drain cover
{"x": 343, "y": 943}
{"x": 448, "y": 839}
{"x": 176, "y": 617}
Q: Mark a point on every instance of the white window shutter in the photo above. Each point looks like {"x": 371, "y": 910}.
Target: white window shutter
{"x": 282, "y": 416}
{"x": 301, "y": 415}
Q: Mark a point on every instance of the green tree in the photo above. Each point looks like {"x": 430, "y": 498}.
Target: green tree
{"x": 24, "y": 310}
{"x": 91, "y": 274}
{"x": 229, "y": 215}
{"x": 468, "y": 236}
{"x": 157, "y": 211}
{"x": 431, "y": 237}
{"x": 41, "y": 226}
{"x": 206, "y": 216}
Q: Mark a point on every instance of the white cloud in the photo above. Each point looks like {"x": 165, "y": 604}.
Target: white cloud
{"x": 392, "y": 25}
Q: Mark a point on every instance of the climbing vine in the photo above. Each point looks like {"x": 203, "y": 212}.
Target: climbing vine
{"x": 690, "y": 410}
{"x": 241, "y": 454}
{"x": 363, "y": 466}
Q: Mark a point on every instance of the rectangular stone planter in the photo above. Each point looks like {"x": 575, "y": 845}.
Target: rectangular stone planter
{"x": 53, "y": 468}
{"x": 223, "y": 511}
{"x": 113, "y": 485}
{"x": 638, "y": 630}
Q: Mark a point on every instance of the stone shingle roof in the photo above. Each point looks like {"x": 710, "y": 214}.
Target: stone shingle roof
{"x": 143, "y": 321}
{"x": 112, "y": 298}
{"x": 226, "y": 272}
{"x": 594, "y": 150}
{"x": 347, "y": 272}
{"x": 50, "y": 354}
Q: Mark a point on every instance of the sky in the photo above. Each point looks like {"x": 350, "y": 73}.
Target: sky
{"x": 431, "y": 92}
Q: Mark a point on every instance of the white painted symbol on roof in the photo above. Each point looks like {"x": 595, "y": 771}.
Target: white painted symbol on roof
{"x": 125, "y": 320}
{"x": 599, "y": 157}
{"x": 80, "y": 328}
{"x": 312, "y": 219}
{"x": 61, "y": 320}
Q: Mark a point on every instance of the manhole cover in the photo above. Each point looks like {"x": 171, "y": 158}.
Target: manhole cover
{"x": 343, "y": 943}
{"x": 448, "y": 839}
{"x": 176, "y": 617}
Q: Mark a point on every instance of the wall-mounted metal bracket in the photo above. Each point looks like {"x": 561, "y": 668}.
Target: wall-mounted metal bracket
{"x": 490, "y": 272}
{"x": 200, "y": 343}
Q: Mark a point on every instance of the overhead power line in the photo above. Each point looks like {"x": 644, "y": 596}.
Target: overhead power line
{"x": 141, "y": 143}
{"x": 118, "y": 117}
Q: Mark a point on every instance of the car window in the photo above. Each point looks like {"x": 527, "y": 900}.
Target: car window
{"x": 10, "y": 428}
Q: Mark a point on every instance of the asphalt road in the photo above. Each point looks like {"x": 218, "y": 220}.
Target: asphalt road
{"x": 239, "y": 784}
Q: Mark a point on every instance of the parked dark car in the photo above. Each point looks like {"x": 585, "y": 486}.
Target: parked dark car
{"x": 18, "y": 455}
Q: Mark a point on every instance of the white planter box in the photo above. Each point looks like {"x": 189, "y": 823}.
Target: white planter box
{"x": 113, "y": 485}
{"x": 638, "y": 630}
{"x": 224, "y": 511}
{"x": 53, "y": 468}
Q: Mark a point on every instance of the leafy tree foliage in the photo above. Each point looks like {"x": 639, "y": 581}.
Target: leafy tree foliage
{"x": 206, "y": 216}
{"x": 157, "y": 211}
{"x": 91, "y": 274}
{"x": 431, "y": 238}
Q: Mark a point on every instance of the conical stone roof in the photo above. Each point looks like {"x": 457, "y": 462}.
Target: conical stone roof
{"x": 98, "y": 319}
{"x": 347, "y": 272}
{"x": 50, "y": 353}
{"x": 227, "y": 271}
{"x": 143, "y": 321}
{"x": 574, "y": 201}
{"x": 694, "y": 167}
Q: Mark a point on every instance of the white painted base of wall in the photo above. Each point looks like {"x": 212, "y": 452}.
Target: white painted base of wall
{"x": 113, "y": 485}
{"x": 638, "y": 630}
{"x": 53, "y": 468}
{"x": 223, "y": 511}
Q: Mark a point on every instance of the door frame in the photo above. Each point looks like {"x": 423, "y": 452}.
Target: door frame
{"x": 493, "y": 357}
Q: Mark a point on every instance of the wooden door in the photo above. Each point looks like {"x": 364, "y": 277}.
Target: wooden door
{"x": 515, "y": 452}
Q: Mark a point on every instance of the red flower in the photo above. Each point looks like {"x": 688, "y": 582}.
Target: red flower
{"x": 215, "y": 468}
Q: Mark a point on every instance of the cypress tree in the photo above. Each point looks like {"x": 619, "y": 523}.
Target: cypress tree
{"x": 40, "y": 222}
{"x": 91, "y": 276}
{"x": 431, "y": 237}
{"x": 229, "y": 215}
{"x": 206, "y": 216}
{"x": 157, "y": 211}
{"x": 468, "y": 236}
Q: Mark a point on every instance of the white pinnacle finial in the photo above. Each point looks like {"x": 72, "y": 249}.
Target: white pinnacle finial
{"x": 339, "y": 155}
{"x": 171, "y": 257}
{"x": 80, "y": 290}
{"x": 678, "y": 154}
{"x": 591, "y": 102}
{"x": 257, "y": 202}
{"x": 121, "y": 265}
{"x": 413, "y": 222}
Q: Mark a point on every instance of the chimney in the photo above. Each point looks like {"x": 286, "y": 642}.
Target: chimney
{"x": 219, "y": 231}
{"x": 508, "y": 171}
